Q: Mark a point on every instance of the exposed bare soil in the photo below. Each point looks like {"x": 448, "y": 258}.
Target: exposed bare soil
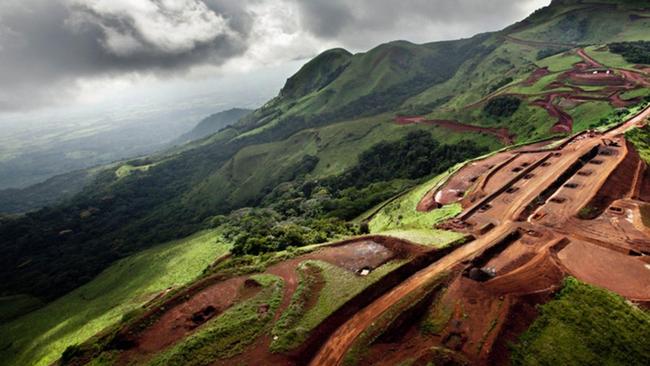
{"x": 552, "y": 242}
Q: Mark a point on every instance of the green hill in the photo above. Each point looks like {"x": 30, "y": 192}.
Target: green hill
{"x": 337, "y": 108}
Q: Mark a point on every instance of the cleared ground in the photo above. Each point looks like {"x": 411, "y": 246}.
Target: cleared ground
{"x": 517, "y": 253}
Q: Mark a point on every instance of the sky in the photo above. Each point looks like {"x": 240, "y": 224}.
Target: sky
{"x": 79, "y": 57}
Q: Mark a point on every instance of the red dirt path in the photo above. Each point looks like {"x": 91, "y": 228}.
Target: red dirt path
{"x": 501, "y": 133}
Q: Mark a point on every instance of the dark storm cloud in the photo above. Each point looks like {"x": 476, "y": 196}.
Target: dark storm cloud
{"x": 355, "y": 22}
{"x": 45, "y": 45}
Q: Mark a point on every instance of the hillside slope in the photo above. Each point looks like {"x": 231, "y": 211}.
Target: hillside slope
{"x": 212, "y": 124}
{"x": 334, "y": 110}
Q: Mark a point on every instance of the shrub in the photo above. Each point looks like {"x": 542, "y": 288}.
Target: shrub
{"x": 637, "y": 52}
{"x": 502, "y": 106}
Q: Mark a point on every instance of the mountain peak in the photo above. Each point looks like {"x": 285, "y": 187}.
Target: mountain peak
{"x": 317, "y": 73}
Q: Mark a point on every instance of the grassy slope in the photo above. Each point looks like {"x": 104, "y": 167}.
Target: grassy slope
{"x": 601, "y": 25}
{"x": 39, "y": 338}
{"x": 586, "y": 325}
{"x": 400, "y": 218}
{"x": 640, "y": 137}
{"x": 339, "y": 286}
{"x": 229, "y": 333}
{"x": 586, "y": 114}
{"x": 337, "y": 146}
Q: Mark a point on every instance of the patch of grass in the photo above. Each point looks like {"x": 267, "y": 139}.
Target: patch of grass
{"x": 126, "y": 170}
{"x": 285, "y": 333}
{"x": 402, "y": 214}
{"x": 40, "y": 337}
{"x": 608, "y": 58}
{"x": 588, "y": 115}
{"x": 587, "y": 212}
{"x": 228, "y": 334}
{"x": 560, "y": 62}
{"x": 428, "y": 237}
{"x": 437, "y": 317}
{"x": 640, "y": 137}
{"x": 540, "y": 86}
{"x": 586, "y": 325}
{"x": 641, "y": 92}
{"x": 340, "y": 285}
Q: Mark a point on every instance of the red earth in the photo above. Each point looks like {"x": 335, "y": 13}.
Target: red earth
{"x": 530, "y": 265}
{"x": 501, "y": 133}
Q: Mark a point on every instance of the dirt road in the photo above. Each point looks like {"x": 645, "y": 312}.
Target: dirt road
{"x": 503, "y": 210}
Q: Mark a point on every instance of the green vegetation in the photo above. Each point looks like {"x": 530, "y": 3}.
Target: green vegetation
{"x": 256, "y": 231}
{"x": 550, "y": 51}
{"x": 385, "y": 321}
{"x": 640, "y": 137}
{"x": 633, "y": 52}
{"x": 402, "y": 214}
{"x": 503, "y": 106}
{"x": 285, "y": 335}
{"x": 586, "y": 325}
{"x": 311, "y": 212}
{"x": 591, "y": 115}
{"x": 339, "y": 285}
{"x": 542, "y": 85}
{"x": 577, "y": 24}
{"x": 500, "y": 84}
{"x": 641, "y": 92}
{"x": 607, "y": 58}
{"x": 40, "y": 337}
{"x": 415, "y": 156}
{"x": 559, "y": 62}
{"x": 229, "y": 333}
{"x": 50, "y": 192}
{"x": 587, "y": 213}
{"x": 317, "y": 73}
{"x": 428, "y": 237}
{"x": 437, "y": 316}
{"x": 14, "y": 306}
{"x": 127, "y": 169}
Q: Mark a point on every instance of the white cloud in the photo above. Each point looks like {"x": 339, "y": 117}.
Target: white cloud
{"x": 277, "y": 37}
{"x": 169, "y": 26}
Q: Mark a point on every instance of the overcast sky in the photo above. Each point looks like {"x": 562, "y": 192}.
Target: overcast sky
{"x": 78, "y": 53}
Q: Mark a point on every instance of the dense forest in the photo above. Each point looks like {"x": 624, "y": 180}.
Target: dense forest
{"x": 502, "y": 106}
{"x": 637, "y": 52}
